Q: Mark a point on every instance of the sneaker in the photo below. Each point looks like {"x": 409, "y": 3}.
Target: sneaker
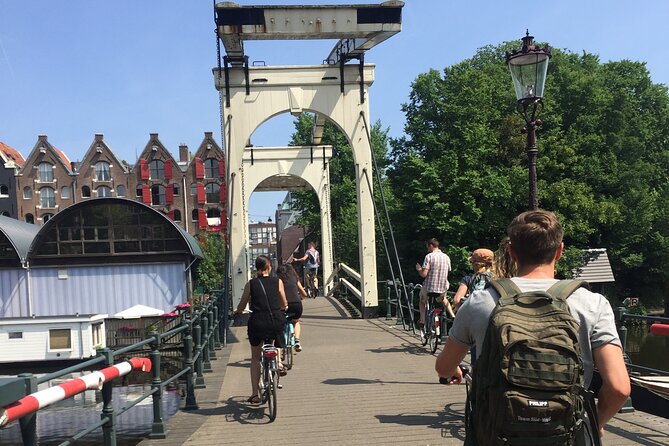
{"x": 298, "y": 346}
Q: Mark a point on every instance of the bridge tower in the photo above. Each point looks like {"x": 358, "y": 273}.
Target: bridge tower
{"x": 334, "y": 90}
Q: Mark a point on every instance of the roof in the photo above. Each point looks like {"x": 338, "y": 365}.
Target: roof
{"x": 597, "y": 269}
{"x": 20, "y": 234}
{"x": 137, "y": 311}
{"x": 11, "y": 154}
{"x": 62, "y": 156}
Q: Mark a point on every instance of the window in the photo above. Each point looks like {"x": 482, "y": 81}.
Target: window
{"x": 213, "y": 192}
{"x": 27, "y": 192}
{"x": 158, "y": 195}
{"x": 46, "y": 217}
{"x": 65, "y": 192}
{"x": 120, "y": 191}
{"x": 193, "y": 189}
{"x": 103, "y": 191}
{"x": 15, "y": 335}
{"x": 97, "y": 334}
{"x": 157, "y": 170}
{"x": 211, "y": 168}
{"x": 213, "y": 213}
{"x": 60, "y": 339}
{"x": 139, "y": 190}
{"x": 86, "y": 192}
{"x": 5, "y": 213}
{"x": 195, "y": 215}
{"x": 177, "y": 215}
{"x": 4, "y": 191}
{"x": 45, "y": 172}
{"x": 102, "y": 172}
{"x": 175, "y": 189}
{"x": 47, "y": 198}
{"x": 30, "y": 219}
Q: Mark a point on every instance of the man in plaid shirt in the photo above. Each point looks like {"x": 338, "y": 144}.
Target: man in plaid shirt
{"x": 434, "y": 270}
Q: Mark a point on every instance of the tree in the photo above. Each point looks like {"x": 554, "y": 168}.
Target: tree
{"x": 460, "y": 173}
{"x": 210, "y": 271}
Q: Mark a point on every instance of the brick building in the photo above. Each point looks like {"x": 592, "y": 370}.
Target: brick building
{"x": 101, "y": 174}
{"x": 12, "y": 161}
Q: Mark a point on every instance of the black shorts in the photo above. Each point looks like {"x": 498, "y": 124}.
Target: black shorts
{"x": 295, "y": 310}
{"x": 266, "y": 326}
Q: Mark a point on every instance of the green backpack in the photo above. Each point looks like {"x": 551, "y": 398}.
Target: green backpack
{"x": 528, "y": 385}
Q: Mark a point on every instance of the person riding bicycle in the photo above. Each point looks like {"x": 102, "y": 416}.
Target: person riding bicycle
{"x": 481, "y": 260}
{"x": 312, "y": 261}
{"x": 266, "y": 299}
{"x": 434, "y": 270}
{"x": 293, "y": 289}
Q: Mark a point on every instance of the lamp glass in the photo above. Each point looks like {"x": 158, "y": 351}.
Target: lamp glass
{"x": 528, "y": 72}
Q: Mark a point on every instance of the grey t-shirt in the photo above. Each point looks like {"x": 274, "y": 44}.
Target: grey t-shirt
{"x": 591, "y": 310}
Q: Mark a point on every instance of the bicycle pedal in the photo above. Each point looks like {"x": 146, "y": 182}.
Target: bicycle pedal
{"x": 279, "y": 385}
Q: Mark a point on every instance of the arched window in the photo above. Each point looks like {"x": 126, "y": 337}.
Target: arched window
{"x": 158, "y": 194}
{"x": 4, "y": 191}
{"x": 157, "y": 170}
{"x": 27, "y": 192}
{"x": 213, "y": 192}
{"x": 5, "y": 213}
{"x": 195, "y": 215}
{"x": 193, "y": 189}
{"x": 102, "y": 172}
{"x": 46, "y": 217}
{"x": 213, "y": 213}
{"x": 47, "y": 198}
{"x": 175, "y": 189}
{"x": 211, "y": 168}
{"x": 120, "y": 191}
{"x": 103, "y": 191}
{"x": 65, "y": 192}
{"x": 45, "y": 172}
{"x": 30, "y": 218}
{"x": 177, "y": 215}
{"x": 86, "y": 192}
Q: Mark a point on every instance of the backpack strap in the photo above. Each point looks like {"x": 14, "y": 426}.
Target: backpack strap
{"x": 506, "y": 290}
{"x": 565, "y": 288}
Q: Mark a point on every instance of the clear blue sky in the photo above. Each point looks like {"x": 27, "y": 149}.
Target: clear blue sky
{"x": 127, "y": 68}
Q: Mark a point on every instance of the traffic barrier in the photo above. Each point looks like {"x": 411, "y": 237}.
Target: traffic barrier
{"x": 91, "y": 381}
{"x": 659, "y": 329}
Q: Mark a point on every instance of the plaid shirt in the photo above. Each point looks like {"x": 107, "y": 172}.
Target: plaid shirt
{"x": 438, "y": 265}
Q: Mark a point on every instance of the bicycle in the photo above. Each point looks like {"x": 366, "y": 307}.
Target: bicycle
{"x": 312, "y": 291}
{"x": 289, "y": 337}
{"x": 430, "y": 333}
{"x": 468, "y": 383}
{"x": 269, "y": 377}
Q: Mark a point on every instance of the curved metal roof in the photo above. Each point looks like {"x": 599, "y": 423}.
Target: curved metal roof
{"x": 191, "y": 242}
{"x": 20, "y": 234}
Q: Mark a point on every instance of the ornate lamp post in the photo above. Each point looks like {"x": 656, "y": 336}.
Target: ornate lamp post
{"x": 528, "y": 71}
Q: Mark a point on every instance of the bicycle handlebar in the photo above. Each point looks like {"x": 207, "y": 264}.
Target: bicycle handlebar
{"x": 465, "y": 373}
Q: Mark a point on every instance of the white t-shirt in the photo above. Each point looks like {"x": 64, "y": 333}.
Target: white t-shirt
{"x": 592, "y": 311}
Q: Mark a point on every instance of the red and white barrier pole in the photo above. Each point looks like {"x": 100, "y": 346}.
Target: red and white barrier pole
{"x": 91, "y": 381}
{"x": 659, "y": 329}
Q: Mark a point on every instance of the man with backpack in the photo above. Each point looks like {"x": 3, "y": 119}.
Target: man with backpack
{"x": 539, "y": 340}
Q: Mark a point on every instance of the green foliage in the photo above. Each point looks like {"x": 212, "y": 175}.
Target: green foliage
{"x": 210, "y": 272}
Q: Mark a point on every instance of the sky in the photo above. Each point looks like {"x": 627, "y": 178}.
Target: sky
{"x": 127, "y": 68}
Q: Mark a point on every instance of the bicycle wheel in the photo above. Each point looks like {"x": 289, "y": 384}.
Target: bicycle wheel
{"x": 288, "y": 356}
{"x": 425, "y": 335}
{"x": 271, "y": 393}
{"x": 264, "y": 377}
{"x": 433, "y": 341}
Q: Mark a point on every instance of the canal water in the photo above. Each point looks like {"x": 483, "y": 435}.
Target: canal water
{"x": 647, "y": 350}
{"x": 63, "y": 420}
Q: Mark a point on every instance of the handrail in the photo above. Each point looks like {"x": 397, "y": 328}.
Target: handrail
{"x": 200, "y": 335}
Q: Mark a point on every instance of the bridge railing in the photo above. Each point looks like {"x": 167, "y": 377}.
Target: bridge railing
{"x": 201, "y": 329}
{"x": 622, "y": 316}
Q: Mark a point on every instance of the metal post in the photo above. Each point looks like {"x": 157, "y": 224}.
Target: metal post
{"x": 29, "y": 422}
{"x": 619, "y": 314}
{"x": 225, "y": 311}
{"x": 204, "y": 341}
{"x": 191, "y": 402}
{"x": 532, "y": 161}
{"x": 389, "y": 315}
{"x": 158, "y": 427}
{"x": 212, "y": 331}
{"x": 217, "y": 323}
{"x": 109, "y": 428}
{"x": 197, "y": 339}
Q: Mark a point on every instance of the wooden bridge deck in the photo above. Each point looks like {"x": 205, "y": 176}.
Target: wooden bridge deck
{"x": 357, "y": 382}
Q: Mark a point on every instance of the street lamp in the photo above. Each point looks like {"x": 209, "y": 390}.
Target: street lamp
{"x": 528, "y": 72}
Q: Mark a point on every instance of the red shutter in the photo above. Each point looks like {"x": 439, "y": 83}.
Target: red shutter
{"x": 146, "y": 194}
{"x": 143, "y": 169}
{"x": 201, "y": 197}
{"x": 221, "y": 168}
{"x": 224, "y": 193}
{"x": 171, "y": 215}
{"x": 199, "y": 168}
{"x": 169, "y": 194}
{"x": 202, "y": 218}
{"x": 168, "y": 169}
{"x": 224, "y": 219}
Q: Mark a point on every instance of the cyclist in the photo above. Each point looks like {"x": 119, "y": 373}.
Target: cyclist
{"x": 267, "y": 300}
{"x": 312, "y": 261}
{"x": 295, "y": 292}
{"x": 481, "y": 260}
{"x": 434, "y": 270}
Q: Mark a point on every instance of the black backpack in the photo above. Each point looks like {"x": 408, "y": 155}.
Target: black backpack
{"x": 528, "y": 385}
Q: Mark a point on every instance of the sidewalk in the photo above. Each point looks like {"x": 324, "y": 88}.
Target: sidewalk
{"x": 357, "y": 382}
